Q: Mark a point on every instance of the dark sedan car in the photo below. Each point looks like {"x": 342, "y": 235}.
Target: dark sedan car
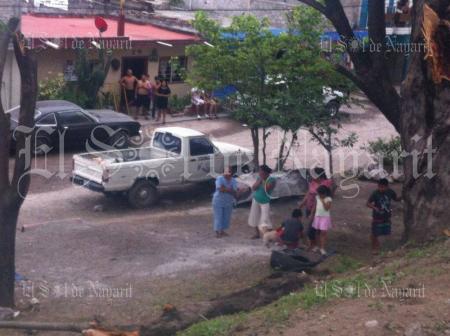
{"x": 61, "y": 122}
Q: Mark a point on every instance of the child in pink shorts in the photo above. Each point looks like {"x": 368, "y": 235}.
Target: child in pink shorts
{"x": 322, "y": 217}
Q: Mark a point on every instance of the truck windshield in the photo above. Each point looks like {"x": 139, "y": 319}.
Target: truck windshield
{"x": 167, "y": 142}
{"x": 200, "y": 146}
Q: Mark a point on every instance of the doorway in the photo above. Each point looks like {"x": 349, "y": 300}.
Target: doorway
{"x": 139, "y": 65}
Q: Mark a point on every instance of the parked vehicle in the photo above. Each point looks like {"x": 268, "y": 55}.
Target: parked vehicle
{"x": 287, "y": 184}
{"x": 332, "y": 99}
{"x": 55, "y": 119}
{"x": 175, "y": 156}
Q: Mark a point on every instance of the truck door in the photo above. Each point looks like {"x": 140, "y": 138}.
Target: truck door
{"x": 172, "y": 165}
{"x": 202, "y": 162}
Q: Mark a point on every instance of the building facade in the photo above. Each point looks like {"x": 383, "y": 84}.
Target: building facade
{"x": 143, "y": 48}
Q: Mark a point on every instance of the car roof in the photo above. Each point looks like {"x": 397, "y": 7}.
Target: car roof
{"x": 49, "y": 106}
{"x": 180, "y": 131}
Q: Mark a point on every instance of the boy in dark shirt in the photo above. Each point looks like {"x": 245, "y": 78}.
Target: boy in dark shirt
{"x": 289, "y": 233}
{"x": 380, "y": 203}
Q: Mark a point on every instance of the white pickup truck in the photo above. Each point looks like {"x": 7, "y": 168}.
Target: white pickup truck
{"x": 175, "y": 156}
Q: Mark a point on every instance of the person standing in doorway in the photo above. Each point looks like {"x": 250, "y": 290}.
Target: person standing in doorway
{"x": 128, "y": 84}
{"x": 223, "y": 201}
{"x": 162, "y": 100}
{"x": 259, "y": 217}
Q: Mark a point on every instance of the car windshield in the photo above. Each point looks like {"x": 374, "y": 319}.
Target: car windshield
{"x": 15, "y": 111}
{"x": 90, "y": 115}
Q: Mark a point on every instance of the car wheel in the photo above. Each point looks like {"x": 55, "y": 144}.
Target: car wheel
{"x": 246, "y": 169}
{"x": 42, "y": 145}
{"x": 119, "y": 140}
{"x": 143, "y": 194}
{"x": 333, "y": 108}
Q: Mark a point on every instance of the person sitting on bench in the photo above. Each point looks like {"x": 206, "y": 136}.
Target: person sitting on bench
{"x": 198, "y": 101}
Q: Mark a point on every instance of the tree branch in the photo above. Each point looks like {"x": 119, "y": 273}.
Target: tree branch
{"x": 318, "y": 139}
{"x": 377, "y": 35}
{"x": 353, "y": 76}
{"x": 370, "y": 71}
{"x": 316, "y": 5}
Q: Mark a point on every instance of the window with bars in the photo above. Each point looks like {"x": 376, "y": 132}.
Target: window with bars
{"x": 171, "y": 68}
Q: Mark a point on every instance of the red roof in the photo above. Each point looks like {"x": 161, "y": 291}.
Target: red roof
{"x": 84, "y": 27}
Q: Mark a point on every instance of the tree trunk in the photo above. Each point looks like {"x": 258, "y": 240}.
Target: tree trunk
{"x": 265, "y": 136}
{"x": 281, "y": 153}
{"x": 14, "y": 190}
{"x": 9, "y": 212}
{"x": 330, "y": 160}
{"x": 255, "y": 139}
{"x": 425, "y": 128}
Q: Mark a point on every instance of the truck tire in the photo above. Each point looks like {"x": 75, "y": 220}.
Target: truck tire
{"x": 143, "y": 194}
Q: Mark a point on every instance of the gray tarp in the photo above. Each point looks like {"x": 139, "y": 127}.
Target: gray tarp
{"x": 291, "y": 183}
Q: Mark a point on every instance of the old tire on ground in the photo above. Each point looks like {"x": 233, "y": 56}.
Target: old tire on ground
{"x": 143, "y": 194}
{"x": 295, "y": 260}
{"x": 119, "y": 140}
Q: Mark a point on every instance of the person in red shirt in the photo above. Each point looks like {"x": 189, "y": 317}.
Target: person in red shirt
{"x": 318, "y": 178}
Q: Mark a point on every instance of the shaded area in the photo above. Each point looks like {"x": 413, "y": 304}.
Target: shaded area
{"x": 266, "y": 291}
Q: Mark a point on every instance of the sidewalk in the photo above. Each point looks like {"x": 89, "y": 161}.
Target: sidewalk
{"x": 172, "y": 120}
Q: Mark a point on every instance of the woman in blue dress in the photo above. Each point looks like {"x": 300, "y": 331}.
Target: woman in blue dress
{"x": 223, "y": 202}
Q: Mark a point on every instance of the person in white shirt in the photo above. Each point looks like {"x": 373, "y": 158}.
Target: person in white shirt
{"x": 198, "y": 101}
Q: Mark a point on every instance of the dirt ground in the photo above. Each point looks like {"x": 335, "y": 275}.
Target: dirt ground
{"x": 122, "y": 265}
{"x": 416, "y": 303}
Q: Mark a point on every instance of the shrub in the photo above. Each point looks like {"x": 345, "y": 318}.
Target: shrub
{"x": 388, "y": 151}
{"x": 56, "y": 88}
{"x": 52, "y": 88}
{"x": 179, "y": 103}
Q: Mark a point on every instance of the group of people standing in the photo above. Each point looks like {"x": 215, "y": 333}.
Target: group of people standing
{"x": 316, "y": 203}
{"x": 139, "y": 96}
{"x": 315, "y": 208}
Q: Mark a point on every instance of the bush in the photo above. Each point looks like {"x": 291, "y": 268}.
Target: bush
{"x": 52, "y": 88}
{"x": 388, "y": 151}
{"x": 56, "y": 88}
{"x": 178, "y": 104}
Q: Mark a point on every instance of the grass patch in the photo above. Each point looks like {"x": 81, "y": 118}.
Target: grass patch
{"x": 416, "y": 253}
{"x": 281, "y": 310}
{"x": 345, "y": 264}
{"x": 350, "y": 287}
{"x": 220, "y": 326}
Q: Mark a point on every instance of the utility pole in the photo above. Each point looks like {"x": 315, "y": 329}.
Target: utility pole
{"x": 121, "y": 23}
